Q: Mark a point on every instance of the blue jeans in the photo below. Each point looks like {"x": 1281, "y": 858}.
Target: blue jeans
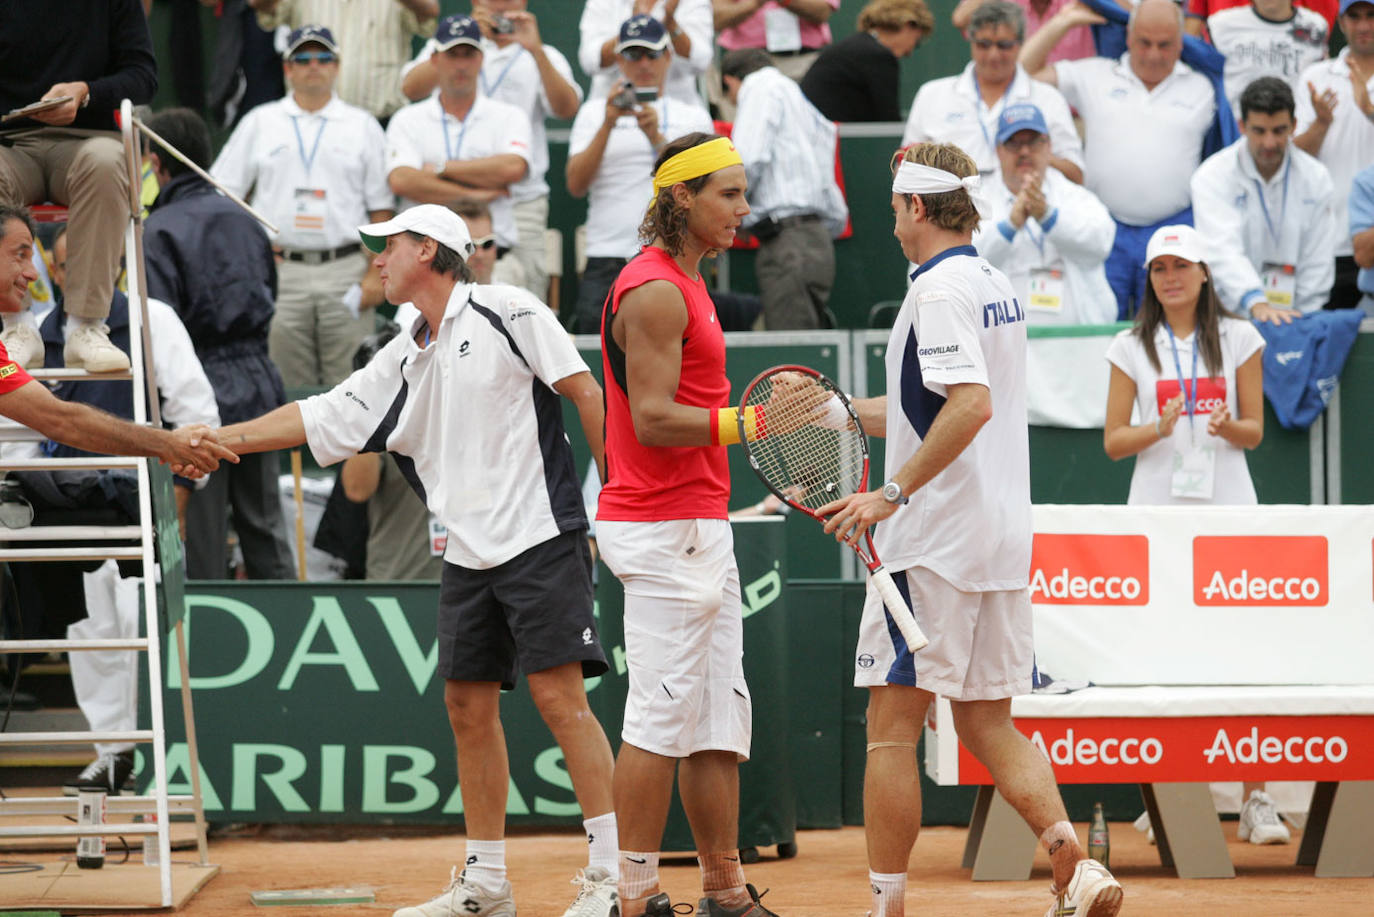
{"x": 1126, "y": 264}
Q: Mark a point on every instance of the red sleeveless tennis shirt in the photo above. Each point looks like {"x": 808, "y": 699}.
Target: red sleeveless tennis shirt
{"x": 657, "y": 483}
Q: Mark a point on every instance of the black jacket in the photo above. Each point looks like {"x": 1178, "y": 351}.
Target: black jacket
{"x": 211, "y": 262}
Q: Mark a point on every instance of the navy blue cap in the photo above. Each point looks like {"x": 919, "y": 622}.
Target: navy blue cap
{"x": 457, "y": 30}
{"x": 1347, "y": 4}
{"x": 642, "y": 31}
{"x": 307, "y": 34}
{"x": 1022, "y": 116}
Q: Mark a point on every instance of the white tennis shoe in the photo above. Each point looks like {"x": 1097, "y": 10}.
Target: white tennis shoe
{"x": 463, "y": 899}
{"x": 1092, "y": 892}
{"x": 1259, "y": 821}
{"x": 596, "y": 896}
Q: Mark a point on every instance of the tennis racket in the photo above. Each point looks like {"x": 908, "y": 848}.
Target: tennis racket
{"x": 814, "y": 452}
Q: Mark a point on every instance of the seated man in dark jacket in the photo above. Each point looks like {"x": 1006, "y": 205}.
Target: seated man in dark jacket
{"x": 211, "y": 262}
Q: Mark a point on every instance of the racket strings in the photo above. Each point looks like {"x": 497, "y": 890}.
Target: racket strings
{"x": 811, "y": 463}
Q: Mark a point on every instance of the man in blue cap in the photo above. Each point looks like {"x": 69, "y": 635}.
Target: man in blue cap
{"x": 1049, "y": 235}
{"x": 315, "y": 167}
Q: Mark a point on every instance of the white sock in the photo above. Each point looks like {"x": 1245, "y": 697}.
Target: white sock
{"x": 603, "y": 843}
{"x": 889, "y": 893}
{"x": 485, "y": 865}
{"x": 638, "y": 873}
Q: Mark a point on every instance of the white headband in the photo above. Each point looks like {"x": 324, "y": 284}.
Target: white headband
{"x": 914, "y": 178}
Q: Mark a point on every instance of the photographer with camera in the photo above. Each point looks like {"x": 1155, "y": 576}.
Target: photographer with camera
{"x": 611, "y": 154}
{"x": 519, "y": 69}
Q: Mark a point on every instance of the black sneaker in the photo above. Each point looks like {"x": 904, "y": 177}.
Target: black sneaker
{"x": 709, "y": 907}
{"x": 112, "y": 772}
{"x": 660, "y": 906}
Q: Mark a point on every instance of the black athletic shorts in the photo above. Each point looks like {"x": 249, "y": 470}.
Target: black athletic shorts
{"x": 531, "y": 613}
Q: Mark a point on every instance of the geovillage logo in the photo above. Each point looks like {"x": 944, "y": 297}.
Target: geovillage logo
{"x": 1260, "y": 570}
{"x": 1090, "y": 570}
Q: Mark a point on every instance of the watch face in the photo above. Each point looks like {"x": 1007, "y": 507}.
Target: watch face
{"x": 891, "y": 492}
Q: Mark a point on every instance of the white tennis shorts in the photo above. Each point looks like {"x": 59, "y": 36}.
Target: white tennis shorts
{"x": 684, "y": 635}
{"x": 981, "y": 643}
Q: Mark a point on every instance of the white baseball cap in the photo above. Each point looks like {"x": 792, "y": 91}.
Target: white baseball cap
{"x": 1180, "y": 241}
{"x": 433, "y": 220}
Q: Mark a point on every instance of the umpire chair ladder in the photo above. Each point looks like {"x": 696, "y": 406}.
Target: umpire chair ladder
{"x": 91, "y": 542}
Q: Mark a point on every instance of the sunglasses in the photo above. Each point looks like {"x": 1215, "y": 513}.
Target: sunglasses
{"x": 985, "y": 44}
{"x": 305, "y": 57}
{"x": 1034, "y": 143}
{"x": 638, "y": 54}
{"x": 485, "y": 243}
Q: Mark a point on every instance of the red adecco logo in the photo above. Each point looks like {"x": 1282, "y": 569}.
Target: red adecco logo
{"x": 1090, "y": 570}
{"x": 1260, "y": 570}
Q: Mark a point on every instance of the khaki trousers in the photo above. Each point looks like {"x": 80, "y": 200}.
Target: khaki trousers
{"x": 313, "y": 335}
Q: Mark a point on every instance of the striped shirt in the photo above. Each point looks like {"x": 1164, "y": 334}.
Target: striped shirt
{"x": 374, "y": 42}
{"x": 788, "y": 148}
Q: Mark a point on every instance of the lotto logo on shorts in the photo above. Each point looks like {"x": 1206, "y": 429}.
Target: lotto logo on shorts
{"x": 1090, "y": 570}
{"x": 1260, "y": 570}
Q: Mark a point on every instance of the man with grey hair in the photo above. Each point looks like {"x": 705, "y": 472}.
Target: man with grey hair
{"x": 964, "y": 109}
{"x": 1145, "y": 115}
{"x": 788, "y": 149}
{"x": 467, "y": 399}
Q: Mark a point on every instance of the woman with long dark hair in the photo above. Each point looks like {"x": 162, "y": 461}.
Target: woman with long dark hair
{"x": 1191, "y": 371}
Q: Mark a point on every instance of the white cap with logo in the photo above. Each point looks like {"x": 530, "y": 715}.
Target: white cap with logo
{"x": 433, "y": 220}
{"x": 1179, "y": 241}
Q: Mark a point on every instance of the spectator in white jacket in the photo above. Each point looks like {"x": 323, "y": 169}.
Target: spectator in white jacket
{"x": 1049, "y": 235}
{"x": 1265, "y": 208}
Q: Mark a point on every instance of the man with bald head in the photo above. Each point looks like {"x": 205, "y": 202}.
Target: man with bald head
{"x": 1145, "y": 117}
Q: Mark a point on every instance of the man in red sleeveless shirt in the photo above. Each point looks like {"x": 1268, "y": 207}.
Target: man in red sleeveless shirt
{"x": 191, "y": 451}
{"x": 662, "y": 529}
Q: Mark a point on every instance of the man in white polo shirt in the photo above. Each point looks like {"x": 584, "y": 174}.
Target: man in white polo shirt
{"x": 1265, "y": 208}
{"x": 615, "y": 139}
{"x": 1145, "y": 117}
{"x": 467, "y": 398}
{"x": 964, "y": 109}
{"x": 788, "y": 148}
{"x": 460, "y": 145}
{"x": 517, "y": 67}
{"x": 1047, "y": 234}
{"x": 314, "y": 166}
{"x": 1336, "y": 124}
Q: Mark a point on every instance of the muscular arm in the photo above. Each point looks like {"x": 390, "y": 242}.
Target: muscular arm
{"x": 581, "y": 389}
{"x": 282, "y": 428}
{"x": 872, "y": 414}
{"x": 648, "y": 327}
{"x": 428, "y": 188}
{"x": 494, "y": 173}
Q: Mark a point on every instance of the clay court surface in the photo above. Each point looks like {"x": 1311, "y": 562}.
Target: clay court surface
{"x": 828, "y": 877}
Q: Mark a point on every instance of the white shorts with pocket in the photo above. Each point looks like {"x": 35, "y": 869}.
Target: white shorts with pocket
{"x": 684, "y": 635}
{"x": 981, "y": 643}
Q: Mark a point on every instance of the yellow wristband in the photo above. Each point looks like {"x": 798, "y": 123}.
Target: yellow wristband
{"x": 725, "y": 426}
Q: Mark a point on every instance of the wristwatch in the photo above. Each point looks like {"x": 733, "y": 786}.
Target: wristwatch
{"x": 892, "y": 493}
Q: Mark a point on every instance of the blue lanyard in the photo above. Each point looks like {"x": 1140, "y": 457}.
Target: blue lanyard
{"x": 443, "y": 122}
{"x": 1189, "y": 398}
{"x": 1283, "y": 208}
{"x": 978, "y": 111}
{"x": 307, "y": 161}
{"x": 482, "y": 74}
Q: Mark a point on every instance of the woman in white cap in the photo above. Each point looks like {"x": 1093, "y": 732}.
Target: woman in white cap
{"x": 1191, "y": 371}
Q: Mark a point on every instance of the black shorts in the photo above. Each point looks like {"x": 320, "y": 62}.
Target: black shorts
{"x": 531, "y": 613}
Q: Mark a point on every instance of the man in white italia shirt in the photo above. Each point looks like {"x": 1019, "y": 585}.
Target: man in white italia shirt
{"x": 459, "y": 145}
{"x": 314, "y": 165}
{"x": 1336, "y": 124}
{"x": 964, "y": 109}
{"x": 517, "y": 67}
{"x": 1265, "y": 208}
{"x": 1049, "y": 235}
{"x": 690, "y": 25}
{"x": 1145, "y": 117}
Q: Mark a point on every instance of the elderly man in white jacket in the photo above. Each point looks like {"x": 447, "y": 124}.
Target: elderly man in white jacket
{"x": 1049, "y": 235}
{"x": 1265, "y": 208}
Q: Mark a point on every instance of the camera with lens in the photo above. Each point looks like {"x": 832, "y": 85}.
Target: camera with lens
{"x": 502, "y": 25}
{"x": 625, "y": 97}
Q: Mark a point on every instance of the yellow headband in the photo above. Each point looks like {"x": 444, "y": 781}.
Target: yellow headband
{"x": 694, "y": 162}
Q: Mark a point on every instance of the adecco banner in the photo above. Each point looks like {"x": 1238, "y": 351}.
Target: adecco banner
{"x": 1196, "y": 749}
{"x": 1180, "y": 595}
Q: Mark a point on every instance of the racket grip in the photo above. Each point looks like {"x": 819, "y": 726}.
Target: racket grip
{"x": 901, "y": 614}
